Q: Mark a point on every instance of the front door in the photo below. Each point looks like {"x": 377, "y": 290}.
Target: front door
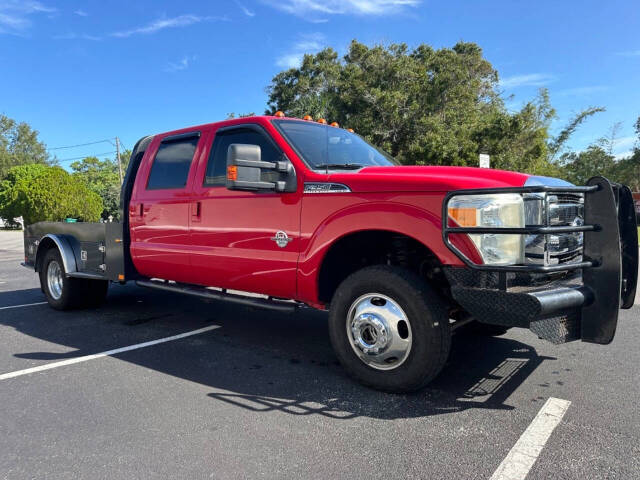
{"x": 159, "y": 210}
{"x": 244, "y": 240}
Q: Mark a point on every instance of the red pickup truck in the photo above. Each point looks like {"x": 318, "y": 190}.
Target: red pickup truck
{"x": 282, "y": 213}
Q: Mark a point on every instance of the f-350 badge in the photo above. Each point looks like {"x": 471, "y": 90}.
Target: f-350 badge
{"x": 281, "y": 239}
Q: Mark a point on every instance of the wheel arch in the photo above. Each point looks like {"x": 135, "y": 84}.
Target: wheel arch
{"x": 63, "y": 245}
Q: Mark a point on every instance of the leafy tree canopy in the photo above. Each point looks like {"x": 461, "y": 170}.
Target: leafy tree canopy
{"x": 423, "y": 105}
{"x": 102, "y": 177}
{"x": 39, "y": 192}
{"x": 19, "y": 145}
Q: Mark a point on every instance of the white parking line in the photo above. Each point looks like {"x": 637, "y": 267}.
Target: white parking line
{"x": 85, "y": 358}
{"x": 525, "y": 452}
{"x": 24, "y": 305}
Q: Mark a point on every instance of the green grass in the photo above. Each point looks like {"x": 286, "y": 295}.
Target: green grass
{"x": 638, "y": 232}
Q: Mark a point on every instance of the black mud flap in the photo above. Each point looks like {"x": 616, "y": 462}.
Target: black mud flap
{"x": 629, "y": 246}
{"x": 600, "y": 317}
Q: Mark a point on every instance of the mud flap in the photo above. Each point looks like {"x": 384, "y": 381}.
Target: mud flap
{"x": 629, "y": 246}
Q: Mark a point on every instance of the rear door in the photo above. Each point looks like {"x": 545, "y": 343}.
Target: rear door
{"x": 244, "y": 240}
{"x": 159, "y": 210}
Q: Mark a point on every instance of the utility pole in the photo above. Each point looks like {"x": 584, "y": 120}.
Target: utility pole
{"x": 118, "y": 157}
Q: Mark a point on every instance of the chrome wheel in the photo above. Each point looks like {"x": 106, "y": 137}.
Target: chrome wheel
{"x": 379, "y": 331}
{"x": 54, "y": 280}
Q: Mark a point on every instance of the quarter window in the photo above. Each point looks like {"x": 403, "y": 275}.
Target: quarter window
{"x": 171, "y": 166}
{"x": 217, "y": 165}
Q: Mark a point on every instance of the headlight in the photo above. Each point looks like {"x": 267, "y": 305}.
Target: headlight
{"x": 504, "y": 210}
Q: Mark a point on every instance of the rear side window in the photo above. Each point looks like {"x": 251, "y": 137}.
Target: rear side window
{"x": 171, "y": 166}
{"x": 217, "y": 166}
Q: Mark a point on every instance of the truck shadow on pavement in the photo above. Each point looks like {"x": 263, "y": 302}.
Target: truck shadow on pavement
{"x": 264, "y": 361}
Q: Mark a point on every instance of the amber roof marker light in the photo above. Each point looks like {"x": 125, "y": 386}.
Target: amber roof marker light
{"x": 279, "y": 114}
{"x": 308, "y": 118}
{"x": 350, "y": 130}
{"x": 335, "y": 124}
{"x": 322, "y": 121}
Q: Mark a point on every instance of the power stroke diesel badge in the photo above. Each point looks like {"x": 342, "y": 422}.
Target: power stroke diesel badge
{"x": 281, "y": 239}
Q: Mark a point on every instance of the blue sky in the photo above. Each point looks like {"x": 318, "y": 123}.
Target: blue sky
{"x": 81, "y": 71}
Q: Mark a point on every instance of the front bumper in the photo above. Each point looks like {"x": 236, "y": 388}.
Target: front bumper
{"x": 582, "y": 304}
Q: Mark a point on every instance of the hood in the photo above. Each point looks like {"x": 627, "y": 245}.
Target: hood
{"x": 427, "y": 178}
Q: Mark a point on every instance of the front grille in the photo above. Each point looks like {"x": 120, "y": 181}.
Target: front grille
{"x": 554, "y": 210}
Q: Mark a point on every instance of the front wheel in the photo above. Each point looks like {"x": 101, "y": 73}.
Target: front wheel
{"x": 389, "y": 329}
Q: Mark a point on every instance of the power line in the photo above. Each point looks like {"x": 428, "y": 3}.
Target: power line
{"x": 85, "y": 156}
{"x": 81, "y": 144}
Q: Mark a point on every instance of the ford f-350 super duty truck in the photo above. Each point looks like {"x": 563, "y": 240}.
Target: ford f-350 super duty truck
{"x": 281, "y": 212}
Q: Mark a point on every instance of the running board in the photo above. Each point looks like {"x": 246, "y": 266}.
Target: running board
{"x": 287, "y": 306}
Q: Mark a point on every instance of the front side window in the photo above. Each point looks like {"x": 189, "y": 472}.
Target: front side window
{"x": 217, "y": 166}
{"x": 322, "y": 146}
{"x": 171, "y": 166}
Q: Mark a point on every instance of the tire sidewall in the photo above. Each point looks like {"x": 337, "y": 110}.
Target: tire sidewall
{"x": 425, "y": 313}
{"x": 62, "y": 302}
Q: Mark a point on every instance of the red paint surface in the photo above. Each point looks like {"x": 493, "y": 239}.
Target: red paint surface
{"x": 229, "y": 244}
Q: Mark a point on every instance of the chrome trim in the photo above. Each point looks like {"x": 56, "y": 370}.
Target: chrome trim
{"x": 55, "y": 281}
{"x": 324, "y": 187}
{"x": 379, "y": 331}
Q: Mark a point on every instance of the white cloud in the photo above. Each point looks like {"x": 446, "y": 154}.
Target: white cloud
{"x": 629, "y": 53}
{"x": 76, "y": 36}
{"x": 182, "y": 64}
{"x": 317, "y": 10}
{"x": 15, "y": 15}
{"x": 624, "y": 142}
{"x": 164, "y": 23}
{"x": 309, "y": 43}
{"x": 245, "y": 10}
{"x": 621, "y": 155}
{"x": 81, "y": 13}
{"x": 528, "y": 80}
{"x": 582, "y": 91}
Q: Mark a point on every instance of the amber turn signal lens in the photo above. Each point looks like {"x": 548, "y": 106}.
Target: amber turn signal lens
{"x": 322, "y": 120}
{"x": 335, "y": 124}
{"x": 308, "y": 118}
{"x": 121, "y": 277}
{"x": 279, "y": 114}
{"x": 232, "y": 172}
{"x": 465, "y": 217}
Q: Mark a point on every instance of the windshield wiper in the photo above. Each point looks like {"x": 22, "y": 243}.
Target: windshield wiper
{"x": 338, "y": 166}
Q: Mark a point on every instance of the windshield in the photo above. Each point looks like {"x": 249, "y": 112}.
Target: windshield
{"x": 325, "y": 147}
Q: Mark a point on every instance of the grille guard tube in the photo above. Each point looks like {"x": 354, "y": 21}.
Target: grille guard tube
{"x": 609, "y": 267}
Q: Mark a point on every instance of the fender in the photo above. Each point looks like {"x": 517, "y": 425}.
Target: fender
{"x": 418, "y": 223}
{"x": 64, "y": 247}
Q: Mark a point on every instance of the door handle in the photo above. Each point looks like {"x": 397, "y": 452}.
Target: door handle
{"x": 197, "y": 211}
{"x": 142, "y": 209}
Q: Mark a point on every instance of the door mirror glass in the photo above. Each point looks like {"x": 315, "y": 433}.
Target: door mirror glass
{"x": 247, "y": 171}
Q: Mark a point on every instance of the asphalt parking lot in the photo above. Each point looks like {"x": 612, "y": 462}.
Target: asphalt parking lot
{"x": 262, "y": 396}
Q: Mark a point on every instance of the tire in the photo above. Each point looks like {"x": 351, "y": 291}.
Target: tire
{"x": 383, "y": 294}
{"x": 66, "y": 293}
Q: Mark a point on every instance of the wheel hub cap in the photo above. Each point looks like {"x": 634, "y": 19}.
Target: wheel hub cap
{"x": 379, "y": 331}
{"x": 54, "y": 279}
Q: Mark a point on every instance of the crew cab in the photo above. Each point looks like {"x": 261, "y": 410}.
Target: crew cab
{"x": 284, "y": 213}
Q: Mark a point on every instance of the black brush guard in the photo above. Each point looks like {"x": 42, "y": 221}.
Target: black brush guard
{"x": 586, "y": 309}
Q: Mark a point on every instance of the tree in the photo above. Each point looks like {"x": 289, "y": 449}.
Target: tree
{"x": 424, "y": 106}
{"x": 39, "y": 192}
{"x": 102, "y": 177}
{"x": 19, "y": 145}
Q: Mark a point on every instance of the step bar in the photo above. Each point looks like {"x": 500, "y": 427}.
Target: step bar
{"x": 271, "y": 303}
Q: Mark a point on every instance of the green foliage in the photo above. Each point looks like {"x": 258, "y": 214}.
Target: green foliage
{"x": 598, "y": 159}
{"x": 102, "y": 177}
{"x": 424, "y": 106}
{"x": 39, "y": 192}
{"x": 19, "y": 145}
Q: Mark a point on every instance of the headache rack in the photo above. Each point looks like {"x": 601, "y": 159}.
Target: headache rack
{"x": 609, "y": 260}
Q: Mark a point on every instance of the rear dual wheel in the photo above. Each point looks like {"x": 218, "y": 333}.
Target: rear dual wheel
{"x": 65, "y": 293}
{"x": 389, "y": 329}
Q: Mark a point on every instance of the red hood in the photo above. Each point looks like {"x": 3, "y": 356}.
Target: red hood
{"x": 427, "y": 178}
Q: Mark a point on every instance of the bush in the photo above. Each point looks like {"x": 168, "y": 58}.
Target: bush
{"x": 39, "y": 192}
